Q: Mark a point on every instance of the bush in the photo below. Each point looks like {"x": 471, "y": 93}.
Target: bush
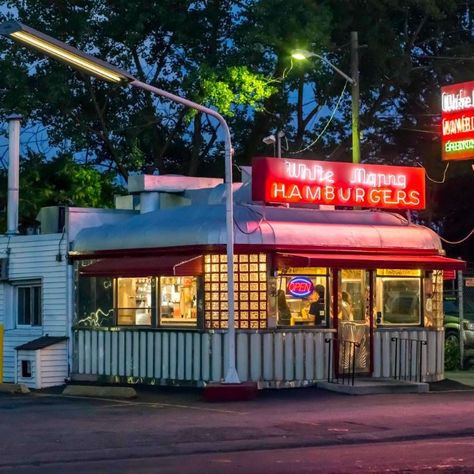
{"x": 451, "y": 355}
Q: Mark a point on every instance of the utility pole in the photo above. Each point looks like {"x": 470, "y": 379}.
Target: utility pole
{"x": 355, "y": 97}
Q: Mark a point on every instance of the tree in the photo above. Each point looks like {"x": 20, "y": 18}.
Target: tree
{"x": 56, "y": 181}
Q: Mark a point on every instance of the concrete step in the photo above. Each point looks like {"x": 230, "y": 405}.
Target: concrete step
{"x": 374, "y": 386}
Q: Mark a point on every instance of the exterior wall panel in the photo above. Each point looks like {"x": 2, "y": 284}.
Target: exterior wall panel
{"x": 33, "y": 257}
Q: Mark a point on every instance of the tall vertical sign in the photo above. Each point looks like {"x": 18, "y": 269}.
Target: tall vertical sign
{"x": 457, "y": 121}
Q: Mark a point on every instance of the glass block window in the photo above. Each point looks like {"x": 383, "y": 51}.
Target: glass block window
{"x": 250, "y": 291}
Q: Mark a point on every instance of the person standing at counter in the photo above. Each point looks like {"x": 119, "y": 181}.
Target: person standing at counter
{"x": 317, "y": 308}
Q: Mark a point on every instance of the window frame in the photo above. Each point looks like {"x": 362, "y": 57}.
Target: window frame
{"x": 420, "y": 279}
{"x": 35, "y": 303}
{"x": 155, "y": 308}
{"x": 283, "y": 274}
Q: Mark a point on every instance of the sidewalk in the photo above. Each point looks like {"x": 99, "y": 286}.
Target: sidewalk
{"x": 455, "y": 380}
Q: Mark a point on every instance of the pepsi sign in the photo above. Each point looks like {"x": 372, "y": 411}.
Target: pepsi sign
{"x": 300, "y": 287}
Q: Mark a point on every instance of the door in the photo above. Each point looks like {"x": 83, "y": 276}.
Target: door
{"x": 355, "y": 328}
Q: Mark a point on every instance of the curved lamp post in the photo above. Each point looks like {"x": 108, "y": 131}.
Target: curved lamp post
{"x": 302, "y": 54}
{"x": 95, "y": 67}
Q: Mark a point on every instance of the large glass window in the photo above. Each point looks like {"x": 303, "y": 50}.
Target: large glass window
{"x": 297, "y": 307}
{"x": 135, "y": 301}
{"x": 399, "y": 297}
{"x": 140, "y": 301}
{"x": 29, "y": 304}
{"x": 95, "y": 302}
{"x": 178, "y": 301}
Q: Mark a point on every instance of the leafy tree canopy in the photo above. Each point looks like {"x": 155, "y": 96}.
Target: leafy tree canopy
{"x": 235, "y": 56}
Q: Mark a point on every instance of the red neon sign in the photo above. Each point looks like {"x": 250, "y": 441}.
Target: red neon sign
{"x": 300, "y": 287}
{"x": 282, "y": 180}
{"x": 457, "y": 121}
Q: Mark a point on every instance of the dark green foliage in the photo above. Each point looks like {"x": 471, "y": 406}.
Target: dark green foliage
{"x": 235, "y": 56}
{"x": 57, "y": 181}
{"x": 451, "y": 355}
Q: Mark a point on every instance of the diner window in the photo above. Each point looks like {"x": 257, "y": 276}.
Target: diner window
{"x": 302, "y": 298}
{"x": 178, "y": 301}
{"x": 95, "y": 302}
{"x": 399, "y": 297}
{"x": 135, "y": 301}
{"x": 29, "y": 304}
{"x": 250, "y": 290}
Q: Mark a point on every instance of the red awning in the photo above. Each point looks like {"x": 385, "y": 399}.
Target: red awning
{"x": 369, "y": 262}
{"x": 166, "y": 265}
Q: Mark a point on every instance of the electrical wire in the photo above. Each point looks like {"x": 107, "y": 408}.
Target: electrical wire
{"x": 443, "y": 180}
{"x": 326, "y": 126}
{"x": 456, "y": 242}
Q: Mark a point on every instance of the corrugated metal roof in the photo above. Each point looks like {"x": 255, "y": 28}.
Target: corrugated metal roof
{"x": 258, "y": 225}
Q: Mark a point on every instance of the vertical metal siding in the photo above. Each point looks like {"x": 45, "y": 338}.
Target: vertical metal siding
{"x": 278, "y": 357}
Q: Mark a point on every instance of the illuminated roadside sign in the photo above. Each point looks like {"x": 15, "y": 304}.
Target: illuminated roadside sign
{"x": 300, "y": 287}
{"x": 282, "y": 180}
{"x": 457, "y": 121}
{"x": 449, "y": 274}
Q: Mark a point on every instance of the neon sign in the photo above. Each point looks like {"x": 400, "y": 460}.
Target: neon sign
{"x": 300, "y": 287}
{"x": 282, "y": 180}
{"x": 457, "y": 121}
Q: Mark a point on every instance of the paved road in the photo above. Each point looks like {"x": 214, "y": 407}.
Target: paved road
{"x": 281, "y": 432}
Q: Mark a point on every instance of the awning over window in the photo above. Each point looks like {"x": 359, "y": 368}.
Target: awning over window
{"x": 369, "y": 262}
{"x": 165, "y": 265}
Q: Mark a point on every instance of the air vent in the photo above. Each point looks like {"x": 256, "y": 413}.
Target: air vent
{"x": 3, "y": 269}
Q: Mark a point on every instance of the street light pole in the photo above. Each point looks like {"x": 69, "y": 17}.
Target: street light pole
{"x": 355, "y": 97}
{"x": 231, "y": 374}
{"x": 354, "y": 81}
{"x": 105, "y": 71}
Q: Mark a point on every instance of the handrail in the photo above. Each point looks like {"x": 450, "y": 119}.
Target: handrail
{"x": 408, "y": 361}
{"x": 347, "y": 354}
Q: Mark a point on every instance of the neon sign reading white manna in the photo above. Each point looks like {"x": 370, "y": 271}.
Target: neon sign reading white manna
{"x": 340, "y": 184}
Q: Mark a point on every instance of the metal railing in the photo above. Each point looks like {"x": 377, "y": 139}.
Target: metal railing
{"x": 408, "y": 359}
{"x": 346, "y": 360}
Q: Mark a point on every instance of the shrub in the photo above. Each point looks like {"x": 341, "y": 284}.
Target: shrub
{"x": 451, "y": 355}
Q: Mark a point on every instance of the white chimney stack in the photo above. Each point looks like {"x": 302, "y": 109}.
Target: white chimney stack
{"x": 13, "y": 172}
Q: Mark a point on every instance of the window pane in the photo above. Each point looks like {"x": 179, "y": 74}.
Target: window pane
{"x": 135, "y": 301}
{"x": 21, "y": 306}
{"x": 178, "y": 301}
{"x": 95, "y": 306}
{"x": 29, "y": 305}
{"x": 302, "y": 311}
{"x": 398, "y": 299}
{"x": 36, "y": 306}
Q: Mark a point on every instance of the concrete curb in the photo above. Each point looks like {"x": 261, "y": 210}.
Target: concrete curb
{"x": 376, "y": 387}
{"x": 100, "y": 391}
{"x": 14, "y": 388}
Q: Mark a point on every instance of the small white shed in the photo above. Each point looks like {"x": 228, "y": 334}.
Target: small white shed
{"x": 42, "y": 362}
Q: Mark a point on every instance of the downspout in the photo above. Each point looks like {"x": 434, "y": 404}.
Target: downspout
{"x": 13, "y": 173}
{"x": 69, "y": 313}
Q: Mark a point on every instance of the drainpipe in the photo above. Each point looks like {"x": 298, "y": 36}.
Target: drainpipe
{"x": 13, "y": 172}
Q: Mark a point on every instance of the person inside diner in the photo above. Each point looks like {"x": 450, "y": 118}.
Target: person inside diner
{"x": 317, "y": 308}
{"x": 284, "y": 313}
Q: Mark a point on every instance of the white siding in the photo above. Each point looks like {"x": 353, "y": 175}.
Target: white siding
{"x": 33, "y": 257}
{"x": 54, "y": 366}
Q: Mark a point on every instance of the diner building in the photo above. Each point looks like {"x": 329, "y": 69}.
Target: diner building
{"x": 326, "y": 257}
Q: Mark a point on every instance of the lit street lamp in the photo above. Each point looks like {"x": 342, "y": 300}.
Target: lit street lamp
{"x": 103, "y": 70}
{"x": 301, "y": 54}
